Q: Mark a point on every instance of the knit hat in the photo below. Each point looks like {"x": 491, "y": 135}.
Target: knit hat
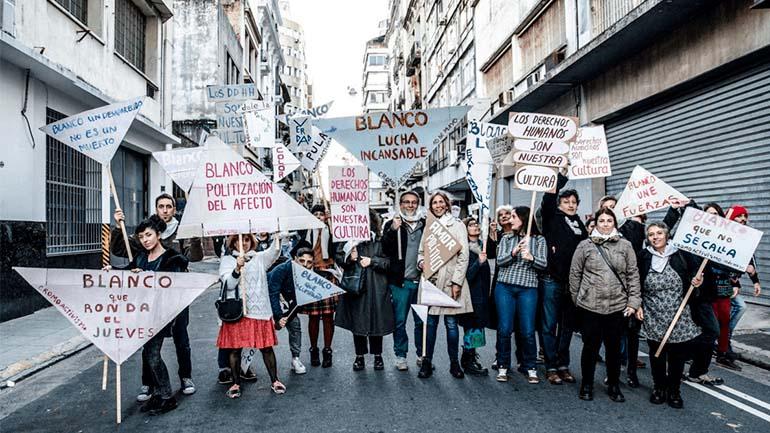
{"x": 738, "y": 210}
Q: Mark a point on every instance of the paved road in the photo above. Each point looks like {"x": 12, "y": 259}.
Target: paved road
{"x": 67, "y": 398}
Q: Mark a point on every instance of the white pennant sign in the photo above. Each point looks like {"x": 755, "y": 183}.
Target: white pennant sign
{"x": 119, "y": 311}
{"x": 422, "y": 312}
{"x": 644, "y": 193}
{"x": 310, "y": 287}
{"x": 432, "y": 296}
{"x": 259, "y": 126}
{"x": 97, "y": 133}
{"x": 284, "y": 162}
{"x": 181, "y": 165}
{"x": 314, "y": 150}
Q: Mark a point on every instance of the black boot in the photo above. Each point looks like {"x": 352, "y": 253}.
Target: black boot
{"x": 586, "y": 392}
{"x": 327, "y": 356}
{"x": 455, "y": 370}
{"x": 465, "y": 358}
{"x": 658, "y": 395}
{"x": 315, "y": 359}
{"x": 632, "y": 380}
{"x": 472, "y": 365}
{"x": 359, "y": 363}
{"x": 379, "y": 364}
{"x": 675, "y": 398}
{"x": 615, "y": 395}
{"x": 426, "y": 369}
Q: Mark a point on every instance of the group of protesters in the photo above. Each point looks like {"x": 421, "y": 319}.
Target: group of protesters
{"x": 539, "y": 276}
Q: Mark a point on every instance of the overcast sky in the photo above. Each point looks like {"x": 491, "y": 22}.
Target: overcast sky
{"x": 336, "y": 32}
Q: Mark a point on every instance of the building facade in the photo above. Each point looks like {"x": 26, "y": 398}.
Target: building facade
{"x": 294, "y": 73}
{"x": 58, "y": 58}
{"x": 375, "y": 80}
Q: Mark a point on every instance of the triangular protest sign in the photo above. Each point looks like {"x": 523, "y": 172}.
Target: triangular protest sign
{"x": 181, "y": 165}
{"x": 300, "y": 132}
{"x": 432, "y": 296}
{"x": 292, "y": 111}
{"x": 230, "y": 196}
{"x": 310, "y": 287}
{"x": 391, "y": 144}
{"x": 314, "y": 149}
{"x": 438, "y": 246}
{"x": 97, "y": 133}
{"x": 284, "y": 162}
{"x": 259, "y": 126}
{"x": 422, "y": 312}
{"x": 118, "y": 311}
{"x": 478, "y": 161}
{"x": 644, "y": 193}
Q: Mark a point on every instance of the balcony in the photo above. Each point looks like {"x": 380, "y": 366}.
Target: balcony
{"x": 413, "y": 61}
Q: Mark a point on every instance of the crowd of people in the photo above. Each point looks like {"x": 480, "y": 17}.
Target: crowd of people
{"x": 540, "y": 276}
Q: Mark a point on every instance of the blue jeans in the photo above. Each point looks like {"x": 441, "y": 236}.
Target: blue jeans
{"x": 737, "y": 308}
{"x": 452, "y": 336}
{"x": 519, "y": 304}
{"x": 557, "y": 325}
{"x": 403, "y": 297}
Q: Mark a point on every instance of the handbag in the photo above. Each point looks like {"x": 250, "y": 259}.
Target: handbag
{"x": 353, "y": 281}
{"x": 229, "y": 310}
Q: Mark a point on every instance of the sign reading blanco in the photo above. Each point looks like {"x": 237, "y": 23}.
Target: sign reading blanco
{"x": 181, "y": 165}
{"x": 717, "y": 239}
{"x": 644, "y": 193}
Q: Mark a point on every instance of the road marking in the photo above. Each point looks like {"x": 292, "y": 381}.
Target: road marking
{"x": 730, "y": 401}
{"x": 745, "y": 396}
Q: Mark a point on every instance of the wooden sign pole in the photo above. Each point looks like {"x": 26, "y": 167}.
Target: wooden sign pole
{"x": 240, "y": 282}
{"x": 122, "y": 223}
{"x": 117, "y": 391}
{"x": 531, "y": 216}
{"x": 105, "y": 263}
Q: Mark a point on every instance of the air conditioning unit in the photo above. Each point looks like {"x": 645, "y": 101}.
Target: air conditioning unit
{"x": 536, "y": 76}
{"x": 505, "y": 98}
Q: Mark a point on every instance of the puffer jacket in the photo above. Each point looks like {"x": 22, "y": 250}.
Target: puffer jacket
{"x": 594, "y": 286}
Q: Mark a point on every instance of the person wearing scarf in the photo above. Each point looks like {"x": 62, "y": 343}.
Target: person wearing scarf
{"x": 666, "y": 274}
{"x": 603, "y": 299}
{"x": 479, "y": 276}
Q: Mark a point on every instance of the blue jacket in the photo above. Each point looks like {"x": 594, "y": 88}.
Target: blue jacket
{"x": 280, "y": 281}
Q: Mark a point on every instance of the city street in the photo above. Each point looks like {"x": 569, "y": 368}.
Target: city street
{"x": 67, "y": 397}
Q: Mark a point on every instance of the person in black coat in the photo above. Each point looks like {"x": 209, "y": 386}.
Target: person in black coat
{"x": 479, "y": 277}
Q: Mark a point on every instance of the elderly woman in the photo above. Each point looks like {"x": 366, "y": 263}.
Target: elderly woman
{"x": 665, "y": 275}
{"x": 604, "y": 284}
{"x": 450, "y": 279}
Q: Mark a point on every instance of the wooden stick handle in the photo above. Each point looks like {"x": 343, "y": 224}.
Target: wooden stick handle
{"x": 424, "y": 336}
{"x": 240, "y": 282}
{"x": 122, "y": 223}
{"x": 679, "y": 311}
{"x": 531, "y": 214}
{"x": 117, "y": 392}
{"x": 104, "y": 372}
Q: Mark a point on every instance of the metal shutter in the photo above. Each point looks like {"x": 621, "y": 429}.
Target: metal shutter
{"x": 712, "y": 145}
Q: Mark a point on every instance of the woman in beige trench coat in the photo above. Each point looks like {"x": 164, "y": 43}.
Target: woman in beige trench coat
{"x": 450, "y": 279}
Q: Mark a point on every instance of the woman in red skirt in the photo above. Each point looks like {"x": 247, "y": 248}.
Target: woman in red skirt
{"x": 248, "y": 271}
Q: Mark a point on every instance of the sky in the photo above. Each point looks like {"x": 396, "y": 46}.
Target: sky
{"x": 336, "y": 32}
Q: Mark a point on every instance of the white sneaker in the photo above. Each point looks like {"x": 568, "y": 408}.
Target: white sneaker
{"x": 502, "y": 375}
{"x": 144, "y": 394}
{"x": 188, "y": 386}
{"x": 401, "y": 364}
{"x": 297, "y": 366}
{"x": 532, "y": 377}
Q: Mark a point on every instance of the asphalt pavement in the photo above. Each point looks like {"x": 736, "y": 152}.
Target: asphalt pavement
{"x": 67, "y": 397}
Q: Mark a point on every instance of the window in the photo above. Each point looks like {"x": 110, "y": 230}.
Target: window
{"x": 78, "y": 8}
{"x": 233, "y": 74}
{"x": 376, "y": 98}
{"x": 469, "y": 74}
{"x": 376, "y": 60}
{"x": 130, "y": 32}
{"x": 73, "y": 197}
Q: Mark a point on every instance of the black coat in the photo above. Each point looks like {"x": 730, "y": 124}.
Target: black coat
{"x": 683, "y": 263}
{"x": 633, "y": 231}
{"x": 396, "y": 268}
{"x": 479, "y": 277}
{"x": 562, "y": 236}
{"x": 370, "y": 313}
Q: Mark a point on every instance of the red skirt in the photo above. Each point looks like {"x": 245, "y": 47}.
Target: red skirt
{"x": 247, "y": 333}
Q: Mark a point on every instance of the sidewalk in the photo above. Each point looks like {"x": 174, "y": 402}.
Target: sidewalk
{"x": 751, "y": 340}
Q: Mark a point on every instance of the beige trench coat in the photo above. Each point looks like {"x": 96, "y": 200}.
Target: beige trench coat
{"x": 453, "y": 271}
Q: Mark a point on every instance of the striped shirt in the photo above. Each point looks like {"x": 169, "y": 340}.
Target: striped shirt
{"x": 516, "y": 270}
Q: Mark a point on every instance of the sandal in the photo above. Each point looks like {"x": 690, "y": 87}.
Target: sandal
{"x": 234, "y": 392}
{"x": 278, "y": 387}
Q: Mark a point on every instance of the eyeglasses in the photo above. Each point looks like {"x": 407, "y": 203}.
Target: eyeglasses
{"x": 408, "y": 202}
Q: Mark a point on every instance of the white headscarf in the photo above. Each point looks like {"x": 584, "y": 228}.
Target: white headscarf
{"x": 660, "y": 260}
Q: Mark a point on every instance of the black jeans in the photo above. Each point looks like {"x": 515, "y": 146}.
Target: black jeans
{"x": 182, "y": 344}
{"x": 632, "y": 343}
{"x": 598, "y": 329}
{"x": 703, "y": 345}
{"x": 158, "y": 379}
{"x": 667, "y": 368}
{"x": 374, "y": 346}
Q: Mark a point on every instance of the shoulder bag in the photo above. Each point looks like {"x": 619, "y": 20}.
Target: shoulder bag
{"x": 229, "y": 310}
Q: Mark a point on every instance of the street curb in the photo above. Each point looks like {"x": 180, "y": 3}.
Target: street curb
{"x": 21, "y": 370}
{"x": 752, "y": 355}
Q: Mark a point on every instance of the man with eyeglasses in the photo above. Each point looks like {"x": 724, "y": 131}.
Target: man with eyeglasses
{"x": 400, "y": 242}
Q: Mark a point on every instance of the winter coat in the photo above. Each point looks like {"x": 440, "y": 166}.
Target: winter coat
{"x": 479, "y": 277}
{"x": 397, "y": 267}
{"x": 453, "y": 271}
{"x": 370, "y": 313}
{"x": 633, "y": 231}
{"x": 562, "y": 232}
{"x": 683, "y": 263}
{"x": 192, "y": 248}
{"x": 594, "y": 286}
{"x": 253, "y": 283}
{"x": 280, "y": 282}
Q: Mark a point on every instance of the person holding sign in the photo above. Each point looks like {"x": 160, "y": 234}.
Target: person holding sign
{"x": 604, "y": 284}
{"x": 450, "y": 278}
{"x": 665, "y": 274}
{"x": 403, "y": 273}
{"x": 563, "y": 230}
{"x": 246, "y": 271}
{"x": 320, "y": 241}
{"x": 367, "y": 313}
{"x": 155, "y": 257}
{"x": 479, "y": 278}
{"x": 520, "y": 256}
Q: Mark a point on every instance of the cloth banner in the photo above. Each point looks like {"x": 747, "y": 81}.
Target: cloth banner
{"x": 432, "y": 296}
{"x": 588, "y": 155}
{"x": 97, "y": 133}
{"x": 310, "y": 287}
{"x": 181, "y": 165}
{"x": 644, "y": 193}
{"x": 284, "y": 162}
{"x": 349, "y": 199}
{"x": 717, "y": 239}
{"x": 392, "y": 144}
{"x": 118, "y": 311}
{"x": 230, "y": 196}
{"x": 438, "y": 246}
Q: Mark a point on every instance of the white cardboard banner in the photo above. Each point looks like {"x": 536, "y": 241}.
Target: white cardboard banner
{"x": 310, "y": 287}
{"x": 391, "y": 144}
{"x": 479, "y": 162}
{"x": 312, "y": 152}
{"x": 231, "y": 92}
{"x": 259, "y": 126}
{"x": 349, "y": 198}
{"x": 432, "y": 296}
{"x": 118, "y": 311}
{"x": 300, "y": 133}
{"x": 588, "y": 154}
{"x": 230, "y": 196}
{"x": 717, "y": 239}
{"x": 284, "y": 162}
{"x": 538, "y": 126}
{"x": 97, "y": 133}
{"x": 644, "y": 193}
{"x": 181, "y": 165}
